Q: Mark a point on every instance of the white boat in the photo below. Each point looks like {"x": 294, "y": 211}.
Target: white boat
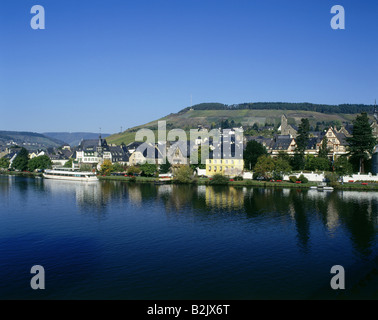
{"x": 69, "y": 174}
{"x": 166, "y": 177}
{"x": 323, "y": 186}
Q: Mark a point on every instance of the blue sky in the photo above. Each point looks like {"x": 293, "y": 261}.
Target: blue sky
{"x": 122, "y": 63}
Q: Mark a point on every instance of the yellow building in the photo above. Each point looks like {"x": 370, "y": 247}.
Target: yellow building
{"x": 228, "y": 167}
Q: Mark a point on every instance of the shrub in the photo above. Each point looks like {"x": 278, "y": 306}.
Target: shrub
{"x": 293, "y": 179}
{"x": 277, "y": 176}
{"x": 302, "y": 179}
{"x": 41, "y": 162}
{"x": 332, "y": 179}
{"x": 219, "y": 179}
{"x": 238, "y": 178}
{"x": 88, "y": 167}
{"x": 184, "y": 174}
{"x": 133, "y": 170}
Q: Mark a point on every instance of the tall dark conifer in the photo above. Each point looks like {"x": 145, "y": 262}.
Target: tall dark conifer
{"x": 302, "y": 142}
{"x": 362, "y": 142}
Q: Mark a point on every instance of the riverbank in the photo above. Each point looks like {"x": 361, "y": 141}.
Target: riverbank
{"x": 21, "y": 174}
{"x": 254, "y": 183}
{"x": 358, "y": 186}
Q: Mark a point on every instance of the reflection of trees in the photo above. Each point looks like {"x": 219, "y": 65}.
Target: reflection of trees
{"x": 301, "y": 219}
{"x": 359, "y": 215}
{"x": 356, "y": 212}
{"x": 178, "y": 196}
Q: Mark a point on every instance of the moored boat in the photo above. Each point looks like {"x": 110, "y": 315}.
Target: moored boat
{"x": 69, "y": 174}
{"x": 323, "y": 186}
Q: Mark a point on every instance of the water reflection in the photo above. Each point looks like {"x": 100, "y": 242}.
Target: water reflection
{"x": 353, "y": 212}
{"x": 229, "y": 198}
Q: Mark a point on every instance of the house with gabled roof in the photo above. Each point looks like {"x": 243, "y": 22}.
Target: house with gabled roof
{"x": 283, "y": 143}
{"x": 336, "y": 143}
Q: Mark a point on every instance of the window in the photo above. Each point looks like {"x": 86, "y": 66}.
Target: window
{"x": 209, "y": 168}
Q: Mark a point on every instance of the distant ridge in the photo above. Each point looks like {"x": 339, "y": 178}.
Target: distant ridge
{"x": 305, "y": 106}
{"x": 213, "y": 114}
{"x": 29, "y": 140}
{"x": 74, "y": 138}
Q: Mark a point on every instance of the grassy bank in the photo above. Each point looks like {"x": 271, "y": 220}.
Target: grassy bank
{"x": 358, "y": 186}
{"x": 129, "y": 179}
{"x": 21, "y": 173}
{"x": 255, "y": 183}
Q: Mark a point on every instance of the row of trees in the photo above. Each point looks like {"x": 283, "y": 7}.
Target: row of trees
{"x": 145, "y": 169}
{"x": 341, "y": 108}
{"x": 182, "y": 173}
{"x": 23, "y": 163}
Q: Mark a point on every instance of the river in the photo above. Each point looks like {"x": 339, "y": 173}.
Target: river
{"x": 117, "y": 240}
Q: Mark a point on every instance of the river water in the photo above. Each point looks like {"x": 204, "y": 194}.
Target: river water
{"x": 117, "y": 240}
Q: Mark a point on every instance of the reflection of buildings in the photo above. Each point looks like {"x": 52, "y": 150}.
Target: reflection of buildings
{"x": 332, "y": 216}
{"x": 88, "y": 195}
{"x": 227, "y": 198}
{"x": 359, "y": 195}
{"x": 135, "y": 194}
{"x": 164, "y": 189}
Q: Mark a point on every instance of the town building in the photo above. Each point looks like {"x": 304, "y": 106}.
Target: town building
{"x": 287, "y": 129}
{"x": 229, "y": 167}
{"x": 336, "y": 143}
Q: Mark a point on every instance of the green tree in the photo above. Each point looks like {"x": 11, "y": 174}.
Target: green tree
{"x": 252, "y": 152}
{"x": 302, "y": 142}
{"x": 148, "y": 169}
{"x": 342, "y": 166}
{"x": 284, "y": 156}
{"x": 106, "y": 167}
{"x": 255, "y": 126}
{"x": 41, "y": 162}
{"x": 4, "y": 163}
{"x": 184, "y": 174}
{"x": 362, "y": 142}
{"x": 133, "y": 170}
{"x": 21, "y": 161}
{"x": 282, "y": 166}
{"x": 117, "y": 167}
{"x": 298, "y": 161}
{"x": 87, "y": 168}
{"x": 264, "y": 166}
{"x": 68, "y": 164}
{"x": 317, "y": 163}
{"x": 165, "y": 167}
{"x": 323, "y": 149}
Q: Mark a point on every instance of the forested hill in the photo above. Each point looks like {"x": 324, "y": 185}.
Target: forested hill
{"x": 322, "y": 108}
{"x": 215, "y": 115}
